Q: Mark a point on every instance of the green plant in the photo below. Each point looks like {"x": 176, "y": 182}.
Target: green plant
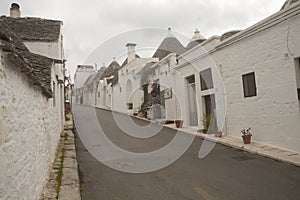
{"x": 60, "y": 169}
{"x": 144, "y": 108}
{"x": 246, "y": 132}
{"x": 206, "y": 122}
{"x": 67, "y": 117}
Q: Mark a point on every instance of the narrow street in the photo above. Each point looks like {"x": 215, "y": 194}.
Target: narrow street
{"x": 226, "y": 173}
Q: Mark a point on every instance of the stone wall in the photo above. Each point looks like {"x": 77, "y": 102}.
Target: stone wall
{"x": 29, "y": 132}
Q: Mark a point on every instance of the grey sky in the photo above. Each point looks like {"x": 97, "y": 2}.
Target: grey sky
{"x": 89, "y": 24}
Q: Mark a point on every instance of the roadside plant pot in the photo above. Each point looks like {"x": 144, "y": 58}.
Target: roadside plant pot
{"x": 179, "y": 123}
{"x": 204, "y": 131}
{"x": 218, "y": 134}
{"x": 246, "y": 135}
{"x": 130, "y": 106}
{"x": 246, "y": 139}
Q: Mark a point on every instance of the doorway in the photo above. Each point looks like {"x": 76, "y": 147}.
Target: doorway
{"x": 209, "y": 114}
{"x": 104, "y": 96}
{"x": 192, "y": 101}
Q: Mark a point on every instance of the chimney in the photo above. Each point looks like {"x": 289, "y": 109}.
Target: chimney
{"x": 130, "y": 52}
{"x": 15, "y": 10}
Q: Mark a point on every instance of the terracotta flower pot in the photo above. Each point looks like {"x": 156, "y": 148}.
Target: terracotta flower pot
{"x": 178, "y": 123}
{"x": 246, "y": 139}
{"x": 218, "y": 134}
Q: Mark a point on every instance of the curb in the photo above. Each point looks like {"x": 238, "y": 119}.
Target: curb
{"x": 286, "y": 156}
{"x": 63, "y": 182}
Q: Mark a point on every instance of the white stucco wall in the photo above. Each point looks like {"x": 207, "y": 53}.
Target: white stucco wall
{"x": 81, "y": 76}
{"x": 100, "y": 94}
{"x": 29, "y": 132}
{"x": 105, "y": 100}
{"x": 121, "y": 96}
{"x": 273, "y": 114}
{"x": 53, "y": 50}
{"x": 89, "y": 98}
{"x": 129, "y": 73}
{"x": 175, "y": 107}
{"x": 49, "y": 49}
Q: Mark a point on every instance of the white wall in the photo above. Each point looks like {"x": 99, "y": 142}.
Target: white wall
{"x": 273, "y": 114}
{"x": 29, "y": 132}
{"x": 81, "y": 76}
{"x": 53, "y": 50}
{"x": 129, "y": 72}
{"x": 48, "y": 49}
{"x": 106, "y": 95}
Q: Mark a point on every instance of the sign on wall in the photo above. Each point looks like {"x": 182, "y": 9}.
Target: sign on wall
{"x": 168, "y": 93}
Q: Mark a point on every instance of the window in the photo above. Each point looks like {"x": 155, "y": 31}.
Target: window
{"x": 98, "y": 94}
{"x": 206, "y": 79}
{"x": 298, "y": 76}
{"x": 190, "y": 79}
{"x": 249, "y": 85}
{"x": 53, "y": 85}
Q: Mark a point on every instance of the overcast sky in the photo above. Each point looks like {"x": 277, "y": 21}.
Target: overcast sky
{"x": 91, "y": 27}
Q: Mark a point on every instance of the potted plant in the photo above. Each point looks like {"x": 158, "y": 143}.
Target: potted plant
{"x": 206, "y": 122}
{"x": 179, "y": 123}
{"x": 218, "y": 134}
{"x": 246, "y": 135}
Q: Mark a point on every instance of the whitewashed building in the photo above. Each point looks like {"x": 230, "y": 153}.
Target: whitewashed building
{"x": 259, "y": 68}
{"x": 31, "y": 102}
{"x": 90, "y": 88}
{"x": 127, "y": 91}
{"x": 109, "y": 78}
{"x": 83, "y": 72}
{"x": 81, "y": 75}
{"x": 243, "y": 79}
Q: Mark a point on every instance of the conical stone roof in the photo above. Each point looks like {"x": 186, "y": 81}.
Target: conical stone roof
{"x": 111, "y": 69}
{"x": 169, "y": 45}
{"x": 196, "y": 39}
{"x": 288, "y": 4}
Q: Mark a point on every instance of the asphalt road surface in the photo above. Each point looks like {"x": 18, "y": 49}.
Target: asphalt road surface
{"x": 226, "y": 173}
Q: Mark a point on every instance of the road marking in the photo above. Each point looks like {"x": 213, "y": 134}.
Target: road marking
{"x": 203, "y": 193}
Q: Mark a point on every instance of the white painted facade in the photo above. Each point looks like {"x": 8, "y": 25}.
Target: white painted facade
{"x": 270, "y": 49}
{"x": 81, "y": 75}
{"x": 83, "y": 95}
{"x": 30, "y": 122}
{"x": 104, "y": 94}
{"x": 49, "y": 49}
{"x": 53, "y": 50}
{"x": 128, "y": 88}
{"x": 169, "y": 79}
{"x": 29, "y": 133}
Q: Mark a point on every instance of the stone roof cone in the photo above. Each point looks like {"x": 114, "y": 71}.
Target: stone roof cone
{"x": 288, "y": 4}
{"x": 111, "y": 69}
{"x": 170, "y": 44}
{"x": 196, "y": 39}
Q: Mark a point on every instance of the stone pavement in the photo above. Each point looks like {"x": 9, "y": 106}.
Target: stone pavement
{"x": 63, "y": 182}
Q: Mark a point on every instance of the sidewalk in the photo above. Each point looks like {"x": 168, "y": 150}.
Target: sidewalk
{"x": 63, "y": 183}
{"x": 261, "y": 149}
{"x": 254, "y": 147}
